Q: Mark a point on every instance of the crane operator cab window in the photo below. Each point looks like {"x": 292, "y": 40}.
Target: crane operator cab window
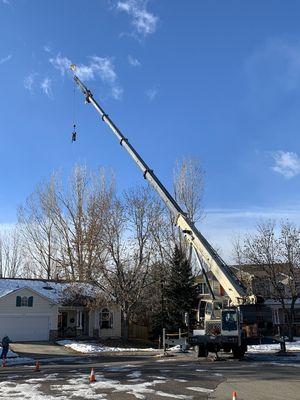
{"x": 213, "y": 310}
{"x": 229, "y": 320}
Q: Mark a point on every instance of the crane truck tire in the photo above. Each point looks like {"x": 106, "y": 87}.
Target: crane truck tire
{"x": 239, "y": 352}
{"x": 201, "y": 351}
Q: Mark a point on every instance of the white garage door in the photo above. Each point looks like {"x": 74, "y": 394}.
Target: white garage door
{"x": 24, "y": 328}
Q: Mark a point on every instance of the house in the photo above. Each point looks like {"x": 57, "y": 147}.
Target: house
{"x": 256, "y": 280}
{"x": 42, "y": 310}
{"x": 203, "y": 290}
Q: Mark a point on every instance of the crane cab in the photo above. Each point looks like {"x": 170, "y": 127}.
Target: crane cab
{"x": 210, "y": 309}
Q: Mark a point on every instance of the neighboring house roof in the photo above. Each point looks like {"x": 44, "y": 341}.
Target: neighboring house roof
{"x": 261, "y": 271}
{"x": 256, "y": 268}
{"x": 31, "y": 290}
{"x": 53, "y": 290}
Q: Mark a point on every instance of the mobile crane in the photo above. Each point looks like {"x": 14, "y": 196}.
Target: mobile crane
{"x": 223, "y": 327}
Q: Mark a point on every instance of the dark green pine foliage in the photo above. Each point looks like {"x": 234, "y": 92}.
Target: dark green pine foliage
{"x": 180, "y": 293}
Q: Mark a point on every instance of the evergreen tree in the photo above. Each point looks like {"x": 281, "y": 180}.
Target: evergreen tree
{"x": 180, "y": 292}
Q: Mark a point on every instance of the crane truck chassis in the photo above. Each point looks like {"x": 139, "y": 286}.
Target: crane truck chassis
{"x": 225, "y": 330}
{"x": 232, "y": 330}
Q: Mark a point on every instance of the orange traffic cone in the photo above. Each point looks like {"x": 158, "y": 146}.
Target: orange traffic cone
{"x": 234, "y": 395}
{"x": 92, "y": 376}
{"x": 3, "y": 362}
{"x": 37, "y": 366}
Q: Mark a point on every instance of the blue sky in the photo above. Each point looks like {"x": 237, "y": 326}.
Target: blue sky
{"x": 212, "y": 79}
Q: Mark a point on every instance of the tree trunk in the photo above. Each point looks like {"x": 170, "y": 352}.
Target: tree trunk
{"x": 291, "y": 320}
{"x": 125, "y": 327}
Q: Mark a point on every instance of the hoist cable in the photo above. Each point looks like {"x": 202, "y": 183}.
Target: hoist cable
{"x": 74, "y": 112}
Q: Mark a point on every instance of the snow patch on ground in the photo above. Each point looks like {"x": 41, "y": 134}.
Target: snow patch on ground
{"x": 135, "y": 374}
{"x": 84, "y": 347}
{"x": 173, "y": 396}
{"x": 157, "y": 377}
{"x": 272, "y": 348}
{"x": 50, "y": 377}
{"x": 19, "y": 360}
{"x": 175, "y": 349}
{"x": 24, "y": 391}
{"x": 80, "y": 387}
{"x": 11, "y": 354}
{"x": 138, "y": 390}
{"x": 14, "y": 359}
{"x": 200, "y": 389}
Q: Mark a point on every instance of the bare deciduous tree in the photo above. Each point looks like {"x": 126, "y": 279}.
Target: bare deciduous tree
{"x": 11, "y": 253}
{"x": 62, "y": 225}
{"x": 128, "y": 237}
{"x": 189, "y": 187}
{"x": 79, "y": 214}
{"x": 278, "y": 256}
{"x": 38, "y": 232}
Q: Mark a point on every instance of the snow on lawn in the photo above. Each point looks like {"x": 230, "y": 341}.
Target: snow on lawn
{"x": 14, "y": 359}
{"x": 272, "y": 348}
{"x": 19, "y": 360}
{"x": 10, "y": 353}
{"x": 83, "y": 347}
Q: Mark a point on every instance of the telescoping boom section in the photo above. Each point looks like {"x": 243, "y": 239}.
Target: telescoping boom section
{"x": 234, "y": 289}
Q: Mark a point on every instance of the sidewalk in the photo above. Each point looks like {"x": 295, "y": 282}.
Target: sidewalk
{"x": 248, "y": 389}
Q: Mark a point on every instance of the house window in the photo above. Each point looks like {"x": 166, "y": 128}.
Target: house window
{"x": 24, "y": 301}
{"x": 106, "y": 319}
{"x": 202, "y": 288}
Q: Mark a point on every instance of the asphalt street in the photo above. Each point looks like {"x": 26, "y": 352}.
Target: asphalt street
{"x": 125, "y": 377}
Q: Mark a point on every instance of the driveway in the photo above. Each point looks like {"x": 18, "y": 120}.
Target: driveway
{"x": 42, "y": 349}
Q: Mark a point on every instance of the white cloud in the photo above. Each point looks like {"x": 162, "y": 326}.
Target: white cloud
{"x": 117, "y": 92}
{"x": 61, "y": 63}
{"x": 5, "y": 59}
{"x": 102, "y": 67}
{"x": 286, "y": 163}
{"x": 29, "y": 82}
{"x": 134, "y": 61}
{"x": 47, "y": 48}
{"x": 105, "y": 68}
{"x": 143, "y": 21}
{"x": 46, "y": 87}
{"x": 33, "y": 81}
{"x": 152, "y": 93}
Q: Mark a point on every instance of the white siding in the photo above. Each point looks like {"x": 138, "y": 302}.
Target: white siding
{"x": 115, "y": 331}
{"x": 20, "y": 321}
